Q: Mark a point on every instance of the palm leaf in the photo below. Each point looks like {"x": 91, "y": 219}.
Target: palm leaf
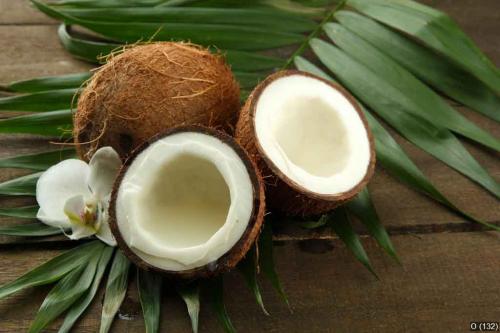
{"x": 54, "y": 269}
{"x": 66, "y": 292}
{"x": 53, "y": 123}
{"x": 216, "y": 291}
{"x": 266, "y": 260}
{"x": 88, "y": 50}
{"x": 48, "y": 83}
{"x": 224, "y": 36}
{"x": 262, "y": 17}
{"x": 340, "y": 224}
{"x": 28, "y": 212}
{"x": 24, "y": 185}
{"x": 439, "y": 72}
{"x": 116, "y": 289}
{"x": 248, "y": 268}
{"x": 418, "y": 98}
{"x": 389, "y": 102}
{"x": 39, "y": 101}
{"x": 30, "y": 230}
{"x": 149, "y": 285}
{"x": 191, "y": 295}
{"x": 39, "y": 161}
{"x": 362, "y": 207}
{"x": 435, "y": 29}
{"x": 79, "y": 307}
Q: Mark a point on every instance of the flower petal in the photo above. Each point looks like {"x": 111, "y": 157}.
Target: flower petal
{"x": 104, "y": 167}
{"x": 52, "y": 222}
{"x": 105, "y": 234}
{"x": 75, "y": 209}
{"x": 56, "y": 185}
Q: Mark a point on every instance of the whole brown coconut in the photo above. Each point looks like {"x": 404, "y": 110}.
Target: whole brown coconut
{"x": 150, "y": 88}
{"x": 283, "y": 193}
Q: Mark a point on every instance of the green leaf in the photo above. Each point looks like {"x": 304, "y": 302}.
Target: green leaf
{"x": 116, "y": 289}
{"x": 88, "y": 50}
{"x": 315, "y": 224}
{"x": 191, "y": 295}
{"x": 28, "y": 212}
{"x": 389, "y": 102}
{"x": 66, "y": 292}
{"x": 392, "y": 157}
{"x": 266, "y": 260}
{"x": 53, "y": 123}
{"x": 438, "y": 71}
{"x": 248, "y": 268}
{"x": 222, "y": 36}
{"x": 248, "y": 80}
{"x": 79, "y": 307}
{"x": 362, "y": 207}
{"x": 247, "y": 61}
{"x": 52, "y": 270}
{"x": 340, "y": 224}
{"x": 436, "y": 30}
{"x": 216, "y": 291}
{"x": 30, "y": 230}
{"x": 39, "y": 101}
{"x": 271, "y": 19}
{"x": 47, "y": 83}
{"x": 416, "y": 96}
{"x": 39, "y": 161}
{"x": 149, "y": 285}
{"x": 306, "y": 66}
{"x": 24, "y": 185}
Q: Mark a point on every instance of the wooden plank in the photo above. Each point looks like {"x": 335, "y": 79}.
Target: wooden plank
{"x": 30, "y": 51}
{"x": 446, "y": 281}
{"x": 18, "y": 12}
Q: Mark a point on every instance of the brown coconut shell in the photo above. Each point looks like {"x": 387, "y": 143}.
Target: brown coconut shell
{"x": 149, "y": 88}
{"x": 239, "y": 250}
{"x": 282, "y": 193}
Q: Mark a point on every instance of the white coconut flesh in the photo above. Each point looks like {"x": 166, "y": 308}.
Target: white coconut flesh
{"x": 184, "y": 201}
{"x": 313, "y": 134}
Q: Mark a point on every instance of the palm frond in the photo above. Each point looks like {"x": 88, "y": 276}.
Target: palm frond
{"x": 79, "y": 307}
{"x": 30, "y": 230}
{"x": 190, "y": 293}
{"x": 116, "y": 289}
{"x": 38, "y": 161}
{"x": 54, "y": 269}
{"x": 149, "y": 285}
{"x": 27, "y": 212}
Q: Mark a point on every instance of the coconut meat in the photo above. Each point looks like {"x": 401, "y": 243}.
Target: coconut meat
{"x": 313, "y": 134}
{"x": 184, "y": 201}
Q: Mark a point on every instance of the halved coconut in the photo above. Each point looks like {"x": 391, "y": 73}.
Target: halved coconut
{"x": 189, "y": 203}
{"x": 310, "y": 139}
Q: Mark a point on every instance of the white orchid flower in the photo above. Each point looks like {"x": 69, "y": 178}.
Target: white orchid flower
{"x": 75, "y": 195}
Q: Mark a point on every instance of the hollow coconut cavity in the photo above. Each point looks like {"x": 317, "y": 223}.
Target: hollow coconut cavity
{"x": 149, "y": 88}
{"x": 311, "y": 141}
{"x": 189, "y": 203}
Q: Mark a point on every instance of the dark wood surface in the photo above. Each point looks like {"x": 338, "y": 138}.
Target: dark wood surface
{"x": 450, "y": 269}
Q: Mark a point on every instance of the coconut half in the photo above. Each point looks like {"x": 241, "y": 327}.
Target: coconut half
{"x": 310, "y": 137}
{"x": 188, "y": 203}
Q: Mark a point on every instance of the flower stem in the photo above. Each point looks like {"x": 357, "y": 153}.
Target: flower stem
{"x": 315, "y": 33}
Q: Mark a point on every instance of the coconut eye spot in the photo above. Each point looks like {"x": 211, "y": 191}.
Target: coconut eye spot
{"x": 312, "y": 136}
{"x": 185, "y": 203}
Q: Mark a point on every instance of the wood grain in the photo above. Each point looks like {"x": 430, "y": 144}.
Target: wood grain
{"x": 446, "y": 281}
{"x": 448, "y": 278}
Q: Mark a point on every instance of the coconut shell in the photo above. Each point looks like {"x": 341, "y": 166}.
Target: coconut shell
{"x": 283, "y": 194}
{"x": 150, "y": 88}
{"x": 239, "y": 250}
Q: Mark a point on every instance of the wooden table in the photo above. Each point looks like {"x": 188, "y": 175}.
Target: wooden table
{"x": 451, "y": 268}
